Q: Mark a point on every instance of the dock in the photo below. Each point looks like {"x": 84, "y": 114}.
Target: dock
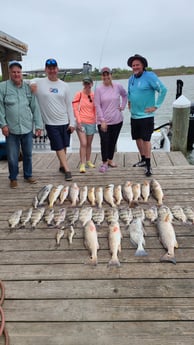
{"x": 53, "y": 297}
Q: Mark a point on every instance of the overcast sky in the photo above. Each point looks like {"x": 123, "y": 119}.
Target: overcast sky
{"x": 103, "y": 32}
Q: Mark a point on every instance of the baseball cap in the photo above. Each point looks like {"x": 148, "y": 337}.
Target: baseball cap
{"x": 15, "y": 63}
{"x": 105, "y": 69}
{"x": 87, "y": 80}
{"x": 51, "y": 63}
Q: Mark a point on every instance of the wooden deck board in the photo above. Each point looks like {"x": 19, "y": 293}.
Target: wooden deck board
{"x": 52, "y": 296}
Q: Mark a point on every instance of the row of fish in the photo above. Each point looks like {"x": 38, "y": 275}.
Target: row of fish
{"x": 111, "y": 194}
{"x": 58, "y": 217}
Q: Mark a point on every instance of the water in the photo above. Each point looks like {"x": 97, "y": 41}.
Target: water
{"x": 163, "y": 114}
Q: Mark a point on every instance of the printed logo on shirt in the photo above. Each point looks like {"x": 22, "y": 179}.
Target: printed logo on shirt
{"x": 53, "y": 90}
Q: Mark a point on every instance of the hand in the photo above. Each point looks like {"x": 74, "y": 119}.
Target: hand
{"x": 71, "y": 129}
{"x": 103, "y": 126}
{"x": 150, "y": 109}
{"x": 5, "y": 131}
{"x": 33, "y": 87}
{"x": 38, "y": 132}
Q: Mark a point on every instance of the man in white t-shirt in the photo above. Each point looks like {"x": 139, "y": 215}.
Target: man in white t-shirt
{"x": 56, "y": 107}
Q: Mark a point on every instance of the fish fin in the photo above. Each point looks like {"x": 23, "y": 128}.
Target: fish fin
{"x": 92, "y": 261}
{"x": 114, "y": 262}
{"x": 176, "y": 245}
{"x": 168, "y": 257}
{"x": 141, "y": 252}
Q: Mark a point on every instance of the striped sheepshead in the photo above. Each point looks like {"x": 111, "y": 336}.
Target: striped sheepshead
{"x": 111, "y": 215}
{"x": 151, "y": 213}
{"x": 178, "y": 213}
{"x": 98, "y": 215}
{"x": 14, "y": 219}
{"x": 25, "y": 217}
{"x": 72, "y": 215}
{"x": 59, "y": 216}
{"x": 54, "y": 194}
{"x": 145, "y": 190}
{"x": 91, "y": 241}
{"x": 137, "y": 232}
{"x": 36, "y": 216}
{"x": 163, "y": 211}
{"x": 125, "y": 214}
{"x": 49, "y": 216}
{"x": 114, "y": 239}
{"x": 74, "y": 194}
{"x": 43, "y": 194}
{"x": 85, "y": 215}
{"x": 189, "y": 212}
{"x": 108, "y": 194}
{"x": 157, "y": 191}
{"x": 167, "y": 238}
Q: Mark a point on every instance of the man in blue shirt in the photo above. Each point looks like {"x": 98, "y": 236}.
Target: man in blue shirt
{"x": 143, "y": 103}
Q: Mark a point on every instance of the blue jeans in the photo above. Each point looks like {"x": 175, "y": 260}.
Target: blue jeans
{"x": 13, "y": 144}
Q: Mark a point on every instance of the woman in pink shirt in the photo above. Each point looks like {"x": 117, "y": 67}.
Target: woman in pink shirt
{"x": 110, "y": 100}
{"x": 84, "y": 111}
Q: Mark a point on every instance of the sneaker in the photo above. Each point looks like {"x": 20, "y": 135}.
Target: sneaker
{"x": 90, "y": 164}
{"x": 82, "y": 168}
{"x": 62, "y": 170}
{"x": 13, "y": 184}
{"x": 30, "y": 180}
{"x": 148, "y": 172}
{"x": 103, "y": 168}
{"x": 68, "y": 176}
{"x": 139, "y": 164}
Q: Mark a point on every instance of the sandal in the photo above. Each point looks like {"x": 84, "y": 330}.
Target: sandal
{"x": 103, "y": 168}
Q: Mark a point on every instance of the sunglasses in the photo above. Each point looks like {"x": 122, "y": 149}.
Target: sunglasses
{"x": 90, "y": 99}
{"x": 51, "y": 62}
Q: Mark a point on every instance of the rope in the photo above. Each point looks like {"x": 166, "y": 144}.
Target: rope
{"x": 3, "y": 330}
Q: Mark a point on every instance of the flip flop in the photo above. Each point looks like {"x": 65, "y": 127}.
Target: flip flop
{"x": 112, "y": 165}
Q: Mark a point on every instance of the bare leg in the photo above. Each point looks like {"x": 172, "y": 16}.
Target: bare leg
{"x": 89, "y": 147}
{"x": 83, "y": 146}
{"x": 61, "y": 154}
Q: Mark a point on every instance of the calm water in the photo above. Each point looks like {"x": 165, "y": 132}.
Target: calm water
{"x": 164, "y": 114}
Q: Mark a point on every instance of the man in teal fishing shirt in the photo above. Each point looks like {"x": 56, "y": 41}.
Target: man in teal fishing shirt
{"x": 19, "y": 115}
{"x": 142, "y": 101}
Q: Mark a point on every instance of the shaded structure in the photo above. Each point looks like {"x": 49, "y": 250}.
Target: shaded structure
{"x": 10, "y": 49}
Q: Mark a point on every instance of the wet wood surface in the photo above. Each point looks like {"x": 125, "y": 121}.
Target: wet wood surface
{"x": 53, "y": 296}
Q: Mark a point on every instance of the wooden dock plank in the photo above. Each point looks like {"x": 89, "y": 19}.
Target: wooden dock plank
{"x": 54, "y": 297}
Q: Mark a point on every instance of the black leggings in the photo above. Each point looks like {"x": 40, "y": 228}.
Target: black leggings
{"x": 108, "y": 140}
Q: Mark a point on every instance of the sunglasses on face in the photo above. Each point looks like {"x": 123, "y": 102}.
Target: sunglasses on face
{"x": 90, "y": 99}
{"x": 51, "y": 62}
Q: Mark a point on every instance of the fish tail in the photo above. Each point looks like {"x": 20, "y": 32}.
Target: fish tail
{"x": 93, "y": 261}
{"x": 114, "y": 262}
{"x": 141, "y": 252}
{"x": 168, "y": 257}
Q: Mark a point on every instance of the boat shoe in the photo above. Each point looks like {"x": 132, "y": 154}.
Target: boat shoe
{"x": 30, "y": 180}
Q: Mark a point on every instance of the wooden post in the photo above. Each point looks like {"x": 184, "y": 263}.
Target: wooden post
{"x": 180, "y": 124}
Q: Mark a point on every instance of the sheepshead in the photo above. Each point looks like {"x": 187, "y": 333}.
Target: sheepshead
{"x": 151, "y": 213}
{"x": 43, "y": 194}
{"x": 49, "y": 216}
{"x": 157, "y": 191}
{"x": 63, "y": 194}
{"x": 167, "y": 237}
{"x": 98, "y": 215}
{"x": 125, "y": 215}
{"x": 91, "y": 241}
{"x": 54, "y": 194}
{"x": 138, "y": 212}
{"x": 91, "y": 196}
{"x": 14, "y": 219}
{"x": 145, "y": 190}
{"x": 36, "y": 216}
{"x": 59, "y": 216}
{"x": 189, "y": 212}
{"x": 25, "y": 217}
{"x": 70, "y": 234}
{"x": 72, "y": 215}
{"x": 128, "y": 192}
{"x": 136, "y": 189}
{"x": 99, "y": 196}
{"x": 85, "y": 215}
{"x": 74, "y": 194}
{"x": 163, "y": 211}
{"x": 60, "y": 233}
{"x": 178, "y": 213}
{"x": 111, "y": 215}
{"x": 136, "y": 232}
{"x": 108, "y": 194}
{"x": 83, "y": 195}
{"x": 118, "y": 196}
{"x": 114, "y": 239}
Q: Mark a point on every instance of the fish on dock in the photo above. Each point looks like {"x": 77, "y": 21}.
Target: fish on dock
{"x": 108, "y": 194}
{"x": 14, "y": 219}
{"x": 70, "y": 234}
{"x": 49, "y": 216}
{"x": 125, "y": 215}
{"x": 85, "y": 215}
{"x": 98, "y": 215}
{"x": 72, "y": 215}
{"x": 118, "y": 196}
{"x": 114, "y": 239}
{"x": 136, "y": 189}
{"x": 83, "y": 194}
{"x": 167, "y": 237}
{"x": 59, "y": 216}
{"x": 91, "y": 196}
{"x": 157, "y": 191}
{"x": 25, "y": 217}
{"x": 137, "y": 232}
{"x": 36, "y": 216}
{"x": 145, "y": 190}
{"x": 91, "y": 241}
{"x": 111, "y": 215}
{"x": 63, "y": 194}
{"x": 60, "y": 233}
{"x": 128, "y": 192}
{"x": 151, "y": 213}
{"x": 163, "y": 211}
{"x": 99, "y": 196}
{"x": 74, "y": 194}
{"x": 189, "y": 212}
{"x": 178, "y": 213}
{"x": 43, "y": 194}
{"x": 54, "y": 194}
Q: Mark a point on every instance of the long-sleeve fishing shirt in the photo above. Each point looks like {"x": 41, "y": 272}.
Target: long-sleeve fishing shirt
{"x": 142, "y": 94}
{"x": 110, "y": 101}
{"x": 19, "y": 109}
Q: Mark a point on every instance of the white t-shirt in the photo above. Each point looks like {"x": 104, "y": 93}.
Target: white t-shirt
{"x": 54, "y": 101}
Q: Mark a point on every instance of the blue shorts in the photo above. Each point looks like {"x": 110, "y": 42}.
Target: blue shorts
{"x": 142, "y": 128}
{"x": 90, "y": 129}
{"x": 59, "y": 136}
